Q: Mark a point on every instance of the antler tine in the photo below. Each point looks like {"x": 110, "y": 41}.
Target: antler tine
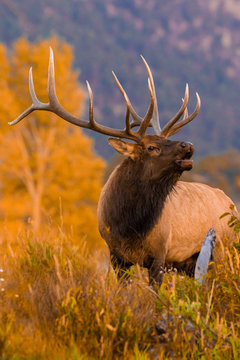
{"x": 186, "y": 118}
{"x": 138, "y": 123}
{"x": 54, "y": 104}
{"x": 36, "y": 105}
{"x": 51, "y": 77}
{"x": 155, "y": 118}
{"x": 165, "y": 131}
{"x": 31, "y": 88}
{"x": 130, "y": 110}
{"x": 91, "y": 117}
{"x": 53, "y": 100}
{"x": 127, "y": 122}
{"x": 137, "y": 119}
{"x": 145, "y": 123}
{"x": 135, "y": 116}
{"x": 57, "y": 108}
{"x": 185, "y": 112}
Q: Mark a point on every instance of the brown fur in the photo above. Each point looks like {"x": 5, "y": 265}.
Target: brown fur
{"x": 149, "y": 218}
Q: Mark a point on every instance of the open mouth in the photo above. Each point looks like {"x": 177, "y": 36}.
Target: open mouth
{"x": 188, "y": 154}
{"x": 185, "y": 164}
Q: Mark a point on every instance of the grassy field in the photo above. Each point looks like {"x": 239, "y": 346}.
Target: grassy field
{"x": 60, "y": 301}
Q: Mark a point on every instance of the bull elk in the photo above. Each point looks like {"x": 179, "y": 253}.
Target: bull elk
{"x": 145, "y": 215}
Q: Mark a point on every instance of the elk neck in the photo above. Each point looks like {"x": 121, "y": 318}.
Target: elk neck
{"x": 134, "y": 201}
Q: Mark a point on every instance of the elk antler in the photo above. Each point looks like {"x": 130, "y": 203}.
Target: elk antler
{"x": 172, "y": 127}
{"x": 55, "y": 107}
{"x": 186, "y": 118}
{"x": 138, "y": 120}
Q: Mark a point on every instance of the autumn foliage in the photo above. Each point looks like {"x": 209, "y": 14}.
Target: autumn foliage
{"x": 49, "y": 171}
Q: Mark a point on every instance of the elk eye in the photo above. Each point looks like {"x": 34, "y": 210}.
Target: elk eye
{"x": 152, "y": 148}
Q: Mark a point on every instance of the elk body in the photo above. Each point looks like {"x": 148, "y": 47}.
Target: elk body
{"x": 159, "y": 223}
{"x": 145, "y": 215}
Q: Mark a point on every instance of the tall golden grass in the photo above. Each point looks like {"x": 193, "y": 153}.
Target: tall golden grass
{"x": 58, "y": 300}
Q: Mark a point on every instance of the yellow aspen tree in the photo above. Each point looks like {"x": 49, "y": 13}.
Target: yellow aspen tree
{"x": 49, "y": 171}
{"x": 8, "y": 106}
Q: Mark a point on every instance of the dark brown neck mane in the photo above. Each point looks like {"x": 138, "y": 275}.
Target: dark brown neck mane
{"x": 134, "y": 202}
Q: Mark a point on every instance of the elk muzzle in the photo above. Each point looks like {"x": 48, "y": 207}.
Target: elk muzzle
{"x": 186, "y": 150}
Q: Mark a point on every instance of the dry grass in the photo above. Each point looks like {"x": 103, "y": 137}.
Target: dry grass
{"x": 59, "y": 301}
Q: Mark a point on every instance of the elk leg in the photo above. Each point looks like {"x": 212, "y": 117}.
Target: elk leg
{"x": 120, "y": 266}
{"x": 155, "y": 272}
{"x": 187, "y": 266}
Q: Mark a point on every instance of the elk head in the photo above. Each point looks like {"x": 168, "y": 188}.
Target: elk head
{"x": 157, "y": 151}
{"x": 157, "y": 155}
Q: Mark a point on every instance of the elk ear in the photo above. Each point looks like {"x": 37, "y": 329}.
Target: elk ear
{"x": 125, "y": 148}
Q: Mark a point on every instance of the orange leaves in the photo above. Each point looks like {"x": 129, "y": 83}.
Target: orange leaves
{"x": 48, "y": 168}
{"x": 8, "y": 106}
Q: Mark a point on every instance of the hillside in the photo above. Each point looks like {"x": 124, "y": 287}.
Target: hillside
{"x": 183, "y": 41}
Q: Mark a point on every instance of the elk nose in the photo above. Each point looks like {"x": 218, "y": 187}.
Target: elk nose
{"x": 186, "y": 144}
{"x": 187, "y": 147}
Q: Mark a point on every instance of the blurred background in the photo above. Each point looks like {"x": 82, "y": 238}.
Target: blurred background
{"x": 53, "y": 172}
